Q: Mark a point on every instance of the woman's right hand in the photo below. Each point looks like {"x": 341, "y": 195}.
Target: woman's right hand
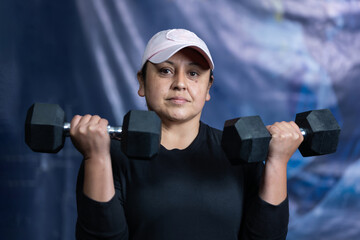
{"x": 90, "y": 137}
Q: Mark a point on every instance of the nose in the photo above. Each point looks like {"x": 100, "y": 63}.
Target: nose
{"x": 179, "y": 81}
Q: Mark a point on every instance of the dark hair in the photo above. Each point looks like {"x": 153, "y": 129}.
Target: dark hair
{"x": 143, "y": 73}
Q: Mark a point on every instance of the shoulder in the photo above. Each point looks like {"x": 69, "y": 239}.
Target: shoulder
{"x": 211, "y": 133}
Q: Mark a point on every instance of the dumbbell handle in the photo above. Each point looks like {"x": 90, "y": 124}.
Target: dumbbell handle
{"x": 113, "y": 131}
{"x": 303, "y": 132}
{"x": 116, "y": 131}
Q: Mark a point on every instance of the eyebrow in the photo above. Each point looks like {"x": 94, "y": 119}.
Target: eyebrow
{"x": 170, "y": 62}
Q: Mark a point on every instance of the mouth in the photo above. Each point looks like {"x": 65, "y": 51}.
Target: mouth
{"x": 178, "y": 100}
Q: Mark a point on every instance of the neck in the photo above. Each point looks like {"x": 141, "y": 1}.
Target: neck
{"x": 179, "y": 136}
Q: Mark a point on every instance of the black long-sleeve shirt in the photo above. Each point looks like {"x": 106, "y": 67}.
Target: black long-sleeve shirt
{"x": 193, "y": 193}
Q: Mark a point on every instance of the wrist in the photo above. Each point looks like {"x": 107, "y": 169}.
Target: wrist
{"x": 95, "y": 162}
{"x": 97, "y": 157}
{"x": 277, "y": 163}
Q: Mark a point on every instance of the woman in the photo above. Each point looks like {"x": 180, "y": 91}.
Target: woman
{"x": 189, "y": 190}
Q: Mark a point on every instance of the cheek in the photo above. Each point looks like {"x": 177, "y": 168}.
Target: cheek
{"x": 154, "y": 93}
{"x": 200, "y": 92}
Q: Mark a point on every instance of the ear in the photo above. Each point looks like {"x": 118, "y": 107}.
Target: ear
{"x": 141, "y": 91}
{"x": 211, "y": 81}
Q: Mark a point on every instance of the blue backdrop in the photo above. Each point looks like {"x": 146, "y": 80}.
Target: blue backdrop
{"x": 272, "y": 58}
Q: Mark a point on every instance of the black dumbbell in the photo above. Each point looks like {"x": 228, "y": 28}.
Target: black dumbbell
{"x": 46, "y": 129}
{"x": 246, "y": 139}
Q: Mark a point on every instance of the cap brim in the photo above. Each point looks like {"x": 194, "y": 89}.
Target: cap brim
{"x": 167, "y": 53}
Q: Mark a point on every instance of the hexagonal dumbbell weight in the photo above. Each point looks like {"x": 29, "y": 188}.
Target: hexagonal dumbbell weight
{"x": 46, "y": 129}
{"x": 246, "y": 139}
{"x": 321, "y": 132}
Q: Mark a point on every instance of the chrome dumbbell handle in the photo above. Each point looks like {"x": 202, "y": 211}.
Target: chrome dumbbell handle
{"x": 303, "y": 132}
{"x": 113, "y": 131}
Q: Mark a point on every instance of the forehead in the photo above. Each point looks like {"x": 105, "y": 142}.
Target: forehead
{"x": 190, "y": 56}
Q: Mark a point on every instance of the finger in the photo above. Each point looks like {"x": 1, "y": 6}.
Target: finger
{"x": 297, "y": 130}
{"x": 85, "y": 119}
{"x": 93, "y": 124}
{"x": 74, "y": 123}
{"x": 102, "y": 126}
{"x": 103, "y": 122}
{"x": 273, "y": 129}
{"x": 94, "y": 120}
{"x": 283, "y": 130}
{"x": 284, "y": 126}
{"x": 290, "y": 129}
{"x": 295, "y": 126}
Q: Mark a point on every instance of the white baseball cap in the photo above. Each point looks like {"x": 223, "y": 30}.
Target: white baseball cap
{"x": 166, "y": 43}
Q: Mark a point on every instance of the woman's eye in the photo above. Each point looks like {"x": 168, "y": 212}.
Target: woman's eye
{"x": 193, "y": 74}
{"x": 165, "y": 71}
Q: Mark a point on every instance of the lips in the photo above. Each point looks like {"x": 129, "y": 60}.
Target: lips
{"x": 178, "y": 100}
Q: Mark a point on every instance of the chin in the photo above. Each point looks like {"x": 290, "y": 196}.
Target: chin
{"x": 183, "y": 118}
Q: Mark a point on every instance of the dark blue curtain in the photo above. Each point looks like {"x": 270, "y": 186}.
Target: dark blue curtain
{"x": 272, "y": 58}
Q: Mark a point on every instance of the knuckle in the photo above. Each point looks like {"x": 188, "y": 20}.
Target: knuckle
{"x": 104, "y": 121}
{"x": 75, "y": 118}
{"x": 274, "y": 126}
{"x": 91, "y": 128}
{"x": 104, "y": 133}
{"x": 82, "y": 130}
{"x": 301, "y": 137}
{"x": 295, "y": 136}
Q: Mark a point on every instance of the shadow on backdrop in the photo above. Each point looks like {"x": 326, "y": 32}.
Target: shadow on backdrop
{"x": 273, "y": 59}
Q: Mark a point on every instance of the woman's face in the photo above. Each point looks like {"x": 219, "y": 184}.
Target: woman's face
{"x": 177, "y": 88}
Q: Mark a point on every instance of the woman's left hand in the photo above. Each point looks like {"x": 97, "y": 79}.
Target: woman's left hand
{"x": 286, "y": 137}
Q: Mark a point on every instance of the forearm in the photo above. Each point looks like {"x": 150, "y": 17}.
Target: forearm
{"x": 285, "y": 139}
{"x": 263, "y": 217}
{"x": 273, "y": 186}
{"x": 98, "y": 179}
{"x": 97, "y": 219}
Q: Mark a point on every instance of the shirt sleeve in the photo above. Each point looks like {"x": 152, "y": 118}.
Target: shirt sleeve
{"x": 101, "y": 220}
{"x": 262, "y": 220}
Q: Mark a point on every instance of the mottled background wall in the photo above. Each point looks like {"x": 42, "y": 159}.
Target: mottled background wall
{"x": 272, "y": 58}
